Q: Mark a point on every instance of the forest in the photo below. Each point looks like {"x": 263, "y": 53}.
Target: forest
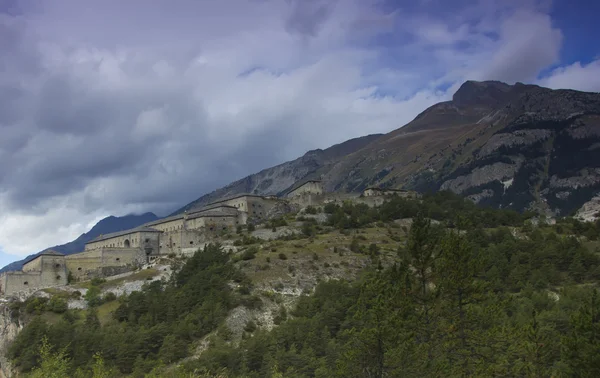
{"x": 471, "y": 292}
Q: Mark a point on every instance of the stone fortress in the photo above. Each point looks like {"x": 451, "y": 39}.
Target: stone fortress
{"x": 180, "y": 234}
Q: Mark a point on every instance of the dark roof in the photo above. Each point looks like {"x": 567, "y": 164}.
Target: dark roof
{"x": 163, "y": 220}
{"x": 205, "y": 214}
{"x": 211, "y": 207}
{"x": 121, "y": 233}
{"x": 386, "y": 189}
{"x": 229, "y": 198}
{"x": 49, "y": 252}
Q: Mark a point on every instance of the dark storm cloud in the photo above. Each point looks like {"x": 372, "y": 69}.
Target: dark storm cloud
{"x": 308, "y": 15}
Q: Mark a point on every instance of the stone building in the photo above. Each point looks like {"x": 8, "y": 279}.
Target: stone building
{"x": 47, "y": 269}
{"x": 374, "y": 191}
{"x": 250, "y": 205}
{"x": 127, "y": 250}
{"x": 105, "y": 262}
{"x": 306, "y": 187}
{"x": 144, "y": 238}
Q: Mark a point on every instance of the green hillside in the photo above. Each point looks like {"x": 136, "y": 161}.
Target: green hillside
{"x": 412, "y": 288}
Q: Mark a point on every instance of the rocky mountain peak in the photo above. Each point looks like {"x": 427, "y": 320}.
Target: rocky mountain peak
{"x": 487, "y": 93}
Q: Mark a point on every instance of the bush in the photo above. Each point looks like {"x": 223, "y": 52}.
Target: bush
{"x": 250, "y": 327}
{"x": 282, "y": 256}
{"x": 251, "y": 227}
{"x": 92, "y": 296}
{"x": 35, "y": 305}
{"x": 109, "y": 297}
{"x": 57, "y": 305}
{"x": 310, "y": 210}
{"x": 315, "y": 256}
{"x": 250, "y": 253}
{"x": 97, "y": 281}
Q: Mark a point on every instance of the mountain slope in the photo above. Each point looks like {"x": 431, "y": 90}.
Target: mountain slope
{"x": 105, "y": 226}
{"x": 276, "y": 180}
{"x": 518, "y": 146}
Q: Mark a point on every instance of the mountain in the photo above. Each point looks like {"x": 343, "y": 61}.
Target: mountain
{"x": 105, "y": 226}
{"x": 509, "y": 146}
{"x": 277, "y": 180}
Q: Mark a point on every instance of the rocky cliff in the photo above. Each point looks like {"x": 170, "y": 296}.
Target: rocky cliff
{"x": 9, "y": 328}
{"x": 512, "y": 146}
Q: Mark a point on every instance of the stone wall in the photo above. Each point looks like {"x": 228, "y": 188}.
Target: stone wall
{"x": 169, "y": 224}
{"x": 131, "y": 240}
{"x": 309, "y": 187}
{"x": 54, "y": 271}
{"x": 14, "y": 282}
{"x": 81, "y": 264}
{"x": 97, "y": 263}
{"x": 34, "y": 265}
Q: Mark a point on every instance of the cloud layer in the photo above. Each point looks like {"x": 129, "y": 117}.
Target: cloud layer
{"x": 110, "y": 107}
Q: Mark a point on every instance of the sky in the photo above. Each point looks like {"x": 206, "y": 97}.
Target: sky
{"x": 113, "y": 107}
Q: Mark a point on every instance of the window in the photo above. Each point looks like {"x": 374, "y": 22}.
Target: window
{"x": 79, "y": 268}
{"x": 58, "y": 277}
{"x": 25, "y": 283}
{"x": 147, "y": 240}
{"x": 118, "y": 259}
{"x": 191, "y": 242}
{"x": 57, "y": 265}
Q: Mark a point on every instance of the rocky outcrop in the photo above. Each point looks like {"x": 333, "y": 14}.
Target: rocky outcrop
{"x": 590, "y": 211}
{"x": 518, "y": 138}
{"x": 9, "y": 328}
{"x": 479, "y": 176}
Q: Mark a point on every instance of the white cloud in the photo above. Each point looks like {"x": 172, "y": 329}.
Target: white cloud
{"x": 582, "y": 77}
{"x": 168, "y": 102}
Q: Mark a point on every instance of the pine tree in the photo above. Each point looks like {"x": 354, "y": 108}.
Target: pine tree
{"x": 581, "y": 348}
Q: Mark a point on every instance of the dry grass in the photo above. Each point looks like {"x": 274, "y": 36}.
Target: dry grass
{"x": 324, "y": 254}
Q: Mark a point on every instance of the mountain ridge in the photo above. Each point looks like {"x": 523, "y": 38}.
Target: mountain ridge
{"x": 489, "y": 134}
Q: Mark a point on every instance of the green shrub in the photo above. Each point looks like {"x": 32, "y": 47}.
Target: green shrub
{"x": 97, "y": 281}
{"x": 109, "y": 297}
{"x": 57, "y": 305}
{"x": 250, "y": 327}
{"x": 250, "y": 253}
{"x": 310, "y": 210}
{"x": 282, "y": 256}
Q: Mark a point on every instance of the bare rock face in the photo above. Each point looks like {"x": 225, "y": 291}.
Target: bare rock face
{"x": 518, "y": 138}
{"x": 590, "y": 211}
{"x": 9, "y": 328}
{"x": 479, "y": 176}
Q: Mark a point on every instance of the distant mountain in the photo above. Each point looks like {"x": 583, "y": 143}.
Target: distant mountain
{"x": 512, "y": 146}
{"x": 105, "y": 226}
